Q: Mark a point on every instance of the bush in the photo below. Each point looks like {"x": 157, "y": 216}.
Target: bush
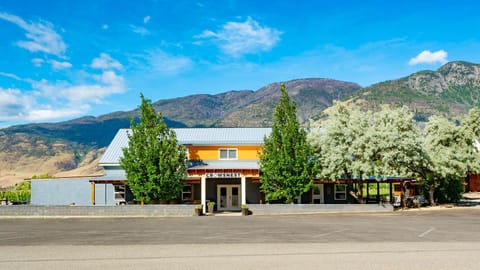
{"x": 18, "y": 194}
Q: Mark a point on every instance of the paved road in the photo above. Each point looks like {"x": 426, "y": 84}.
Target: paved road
{"x": 439, "y": 239}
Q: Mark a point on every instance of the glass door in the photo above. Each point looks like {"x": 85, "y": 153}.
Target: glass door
{"x": 228, "y": 197}
{"x": 235, "y": 197}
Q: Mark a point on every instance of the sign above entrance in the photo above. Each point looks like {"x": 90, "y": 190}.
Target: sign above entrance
{"x": 223, "y": 175}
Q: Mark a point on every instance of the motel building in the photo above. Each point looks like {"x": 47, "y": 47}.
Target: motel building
{"x": 223, "y": 168}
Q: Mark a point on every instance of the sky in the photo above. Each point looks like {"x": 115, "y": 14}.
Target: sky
{"x": 61, "y": 60}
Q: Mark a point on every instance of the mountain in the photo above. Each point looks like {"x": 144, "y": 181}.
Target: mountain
{"x": 74, "y": 147}
{"x": 450, "y": 91}
{"x": 70, "y": 148}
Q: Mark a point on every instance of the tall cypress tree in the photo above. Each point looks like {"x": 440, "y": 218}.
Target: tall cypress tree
{"x": 154, "y": 162}
{"x": 286, "y": 164}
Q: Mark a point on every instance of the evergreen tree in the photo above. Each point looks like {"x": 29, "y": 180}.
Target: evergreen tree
{"x": 154, "y": 162}
{"x": 286, "y": 164}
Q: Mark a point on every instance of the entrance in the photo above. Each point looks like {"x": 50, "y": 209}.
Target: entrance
{"x": 317, "y": 193}
{"x": 228, "y": 197}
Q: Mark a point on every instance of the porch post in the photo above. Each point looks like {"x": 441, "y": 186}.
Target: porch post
{"x": 244, "y": 190}
{"x": 378, "y": 192}
{"x": 391, "y": 193}
{"x": 93, "y": 192}
{"x": 203, "y": 185}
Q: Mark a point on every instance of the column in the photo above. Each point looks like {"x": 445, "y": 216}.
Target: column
{"x": 378, "y": 192}
{"x": 244, "y": 190}
{"x": 93, "y": 192}
{"x": 203, "y": 185}
{"x": 391, "y": 193}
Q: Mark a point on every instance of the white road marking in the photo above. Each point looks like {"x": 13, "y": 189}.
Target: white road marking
{"x": 426, "y": 232}
{"x": 325, "y": 234}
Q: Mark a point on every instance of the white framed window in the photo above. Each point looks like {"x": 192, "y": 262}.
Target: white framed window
{"x": 227, "y": 154}
{"x": 119, "y": 193}
{"x": 340, "y": 192}
{"x": 187, "y": 193}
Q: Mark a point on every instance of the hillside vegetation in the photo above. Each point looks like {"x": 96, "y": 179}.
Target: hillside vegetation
{"x": 72, "y": 148}
{"x": 450, "y": 91}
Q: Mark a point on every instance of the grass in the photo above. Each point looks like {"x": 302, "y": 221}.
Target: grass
{"x": 384, "y": 189}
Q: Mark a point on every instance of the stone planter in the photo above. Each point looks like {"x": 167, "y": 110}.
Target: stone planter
{"x": 211, "y": 207}
{"x": 198, "y": 211}
{"x": 244, "y": 211}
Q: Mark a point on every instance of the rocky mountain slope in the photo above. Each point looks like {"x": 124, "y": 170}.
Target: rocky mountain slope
{"x": 450, "y": 91}
{"x": 73, "y": 147}
{"x": 63, "y": 149}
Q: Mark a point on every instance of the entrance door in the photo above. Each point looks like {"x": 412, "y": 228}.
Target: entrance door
{"x": 317, "y": 193}
{"x": 228, "y": 197}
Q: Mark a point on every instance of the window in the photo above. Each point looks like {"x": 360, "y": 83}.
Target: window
{"x": 228, "y": 154}
{"x": 187, "y": 193}
{"x": 119, "y": 193}
{"x": 340, "y": 192}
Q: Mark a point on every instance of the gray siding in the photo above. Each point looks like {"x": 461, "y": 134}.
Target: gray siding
{"x": 71, "y": 191}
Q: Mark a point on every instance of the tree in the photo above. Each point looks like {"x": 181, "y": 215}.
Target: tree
{"x": 286, "y": 163}
{"x": 392, "y": 144}
{"x": 333, "y": 142}
{"x": 357, "y": 144}
{"x": 154, "y": 162}
{"x": 451, "y": 153}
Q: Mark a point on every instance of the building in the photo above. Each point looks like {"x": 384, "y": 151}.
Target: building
{"x": 223, "y": 168}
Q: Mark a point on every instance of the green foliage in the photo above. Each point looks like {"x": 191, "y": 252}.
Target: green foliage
{"x": 154, "y": 162}
{"x": 451, "y": 154}
{"x": 357, "y": 144}
{"x": 42, "y": 176}
{"x": 18, "y": 193}
{"x": 450, "y": 91}
{"x": 449, "y": 191}
{"x": 286, "y": 159}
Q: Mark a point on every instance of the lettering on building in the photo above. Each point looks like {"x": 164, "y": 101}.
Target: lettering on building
{"x": 223, "y": 175}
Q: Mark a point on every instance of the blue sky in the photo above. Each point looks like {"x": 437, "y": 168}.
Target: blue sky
{"x": 66, "y": 59}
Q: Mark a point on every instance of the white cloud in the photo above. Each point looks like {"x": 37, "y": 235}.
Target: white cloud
{"x": 38, "y": 62}
{"x": 54, "y": 114}
{"x": 428, "y": 57}
{"x": 236, "y": 38}
{"x": 169, "y": 64}
{"x": 139, "y": 30}
{"x": 57, "y": 65}
{"x": 41, "y": 36}
{"x": 105, "y": 26}
{"x": 103, "y": 85}
{"x": 105, "y": 61}
{"x": 13, "y": 104}
{"x": 146, "y": 19}
{"x": 18, "y": 106}
{"x": 10, "y": 75}
{"x": 56, "y": 100}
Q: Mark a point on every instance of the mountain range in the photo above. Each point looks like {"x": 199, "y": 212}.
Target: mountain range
{"x": 74, "y": 147}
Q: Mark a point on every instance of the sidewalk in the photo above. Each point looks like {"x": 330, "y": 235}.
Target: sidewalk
{"x": 470, "y": 199}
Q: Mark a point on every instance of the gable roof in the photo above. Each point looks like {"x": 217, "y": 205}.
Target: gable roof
{"x": 192, "y": 136}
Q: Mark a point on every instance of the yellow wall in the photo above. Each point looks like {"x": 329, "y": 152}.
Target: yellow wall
{"x": 211, "y": 152}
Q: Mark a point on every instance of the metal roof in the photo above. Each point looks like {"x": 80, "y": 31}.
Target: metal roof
{"x": 192, "y": 136}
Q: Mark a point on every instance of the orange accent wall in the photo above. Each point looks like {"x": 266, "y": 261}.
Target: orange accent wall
{"x": 474, "y": 183}
{"x": 211, "y": 152}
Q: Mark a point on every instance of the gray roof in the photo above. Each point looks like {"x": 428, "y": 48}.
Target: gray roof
{"x": 192, "y": 136}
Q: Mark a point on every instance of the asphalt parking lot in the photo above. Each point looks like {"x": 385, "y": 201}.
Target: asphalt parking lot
{"x": 459, "y": 224}
{"x": 417, "y": 239}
